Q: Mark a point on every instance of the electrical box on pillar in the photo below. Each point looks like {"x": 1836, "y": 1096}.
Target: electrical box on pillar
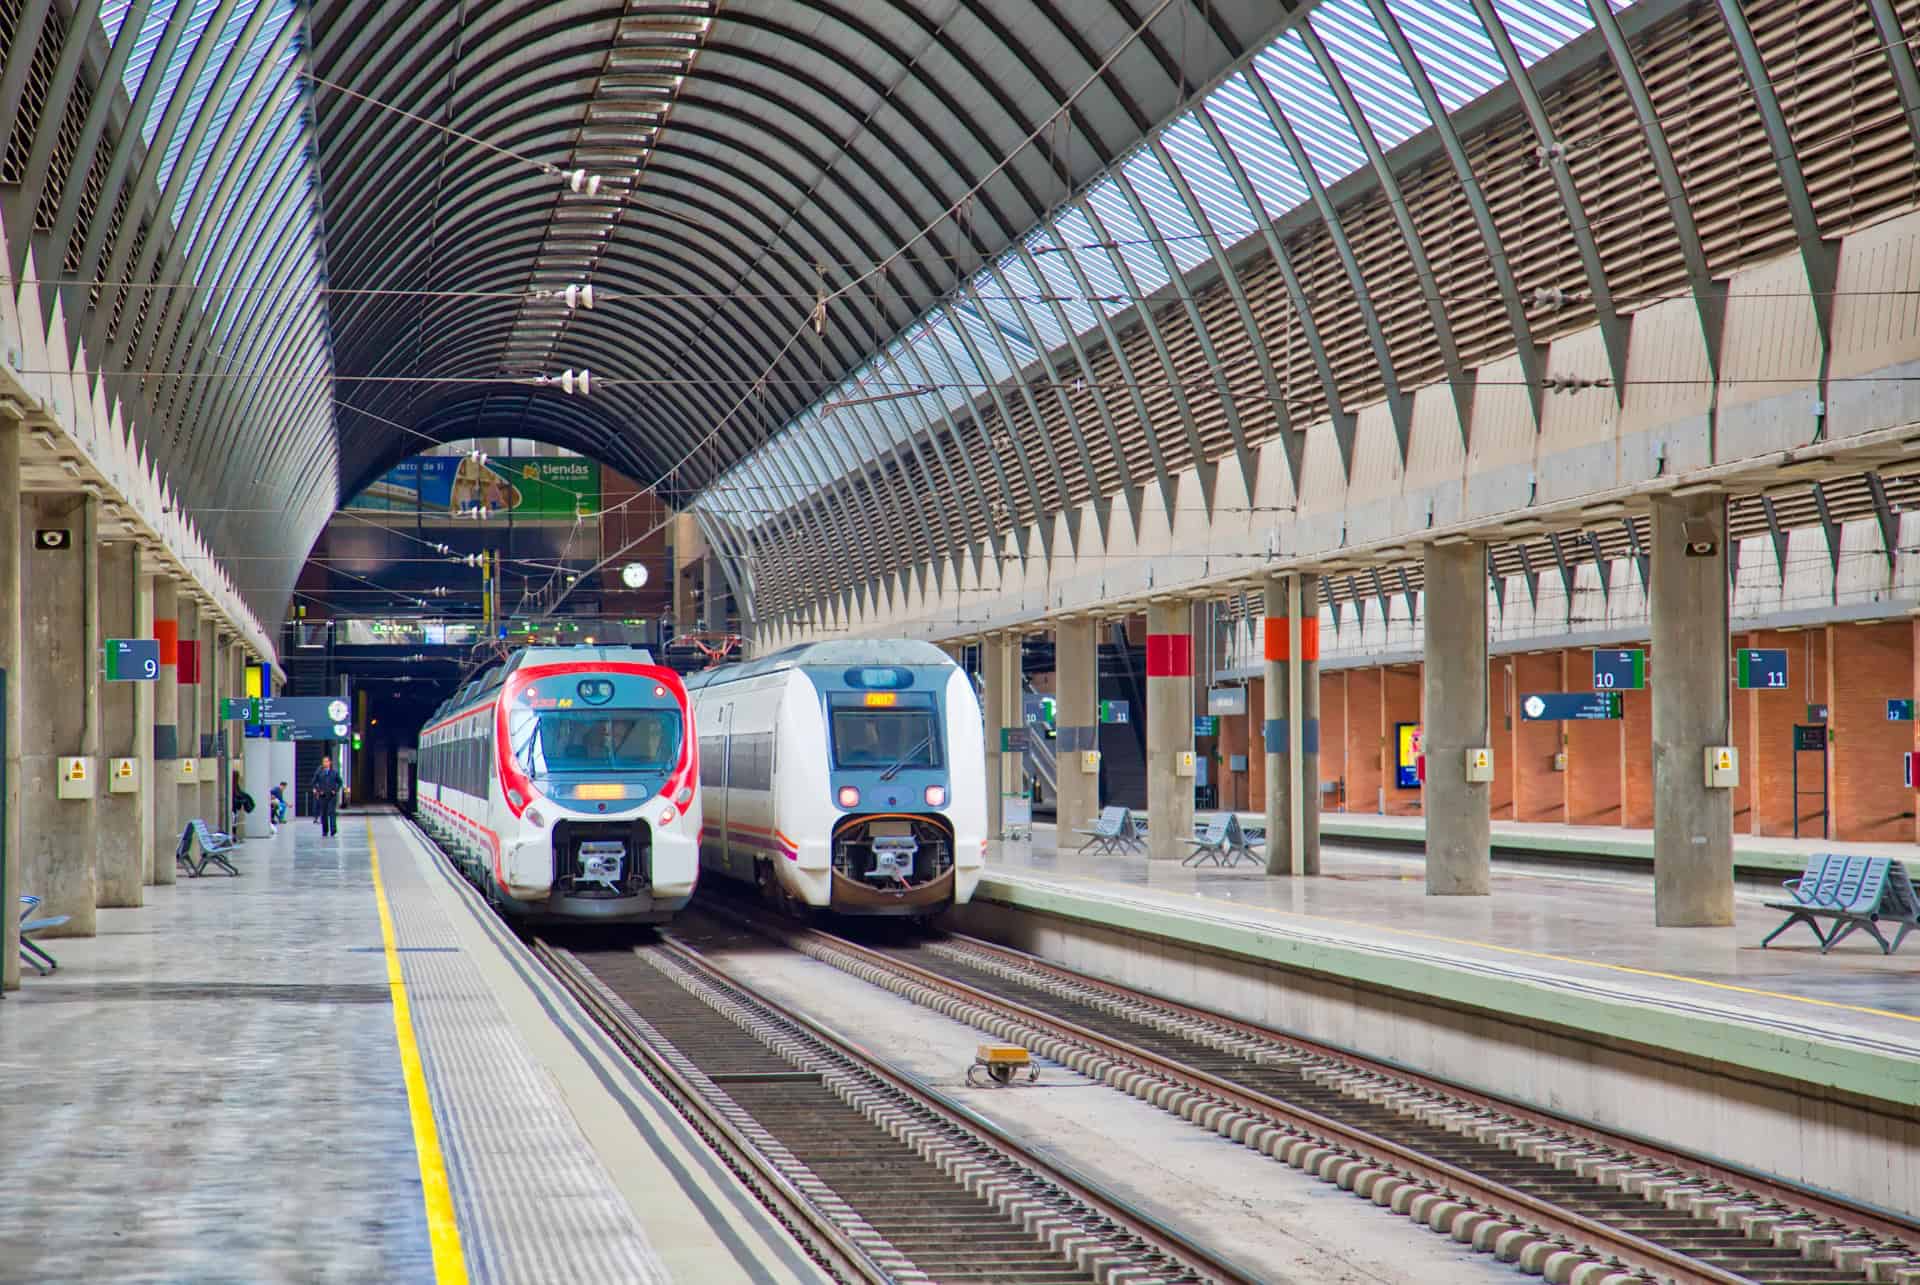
{"x": 1479, "y": 765}
{"x": 124, "y": 776}
{"x": 75, "y": 778}
{"x": 1723, "y": 767}
{"x": 1090, "y": 762}
{"x": 1183, "y": 763}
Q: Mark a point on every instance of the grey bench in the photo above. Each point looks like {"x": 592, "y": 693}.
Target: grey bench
{"x": 1850, "y": 893}
{"x": 1222, "y": 842}
{"x": 32, "y": 952}
{"x": 212, "y": 846}
{"x": 1114, "y": 831}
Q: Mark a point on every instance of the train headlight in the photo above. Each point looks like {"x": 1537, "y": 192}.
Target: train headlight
{"x": 936, "y": 796}
{"x": 849, "y": 796}
{"x": 534, "y": 818}
{"x": 667, "y": 814}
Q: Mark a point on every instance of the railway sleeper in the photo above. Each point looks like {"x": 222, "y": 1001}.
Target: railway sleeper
{"x": 1532, "y": 1250}
{"x": 1683, "y": 1192}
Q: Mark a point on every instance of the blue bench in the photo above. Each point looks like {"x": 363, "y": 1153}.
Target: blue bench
{"x": 212, "y": 846}
{"x": 32, "y": 952}
{"x": 1114, "y": 831}
{"x": 1852, "y": 893}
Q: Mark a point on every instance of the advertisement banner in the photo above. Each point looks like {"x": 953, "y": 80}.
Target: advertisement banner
{"x": 447, "y": 488}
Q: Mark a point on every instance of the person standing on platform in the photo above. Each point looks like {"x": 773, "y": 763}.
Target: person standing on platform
{"x": 326, "y": 793}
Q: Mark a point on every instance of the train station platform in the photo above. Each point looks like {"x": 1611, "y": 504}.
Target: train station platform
{"x": 1559, "y": 976}
{"x": 340, "y": 1067}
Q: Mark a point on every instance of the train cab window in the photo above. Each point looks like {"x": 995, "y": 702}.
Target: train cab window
{"x": 902, "y": 736}
{"x": 632, "y": 740}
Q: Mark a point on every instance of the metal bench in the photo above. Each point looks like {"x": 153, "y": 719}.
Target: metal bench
{"x": 1114, "y": 831}
{"x": 1223, "y": 842}
{"x": 32, "y": 952}
{"x": 1852, "y": 893}
{"x": 212, "y": 845}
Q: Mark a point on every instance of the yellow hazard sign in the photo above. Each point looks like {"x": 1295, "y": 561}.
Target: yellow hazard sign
{"x": 123, "y": 767}
{"x": 1480, "y": 758}
{"x": 77, "y": 771}
{"x": 1724, "y": 760}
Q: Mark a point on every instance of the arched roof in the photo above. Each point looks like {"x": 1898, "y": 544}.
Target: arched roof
{"x": 751, "y": 155}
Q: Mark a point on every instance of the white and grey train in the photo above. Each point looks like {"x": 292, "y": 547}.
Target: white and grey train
{"x": 565, "y": 783}
{"x": 846, "y": 775}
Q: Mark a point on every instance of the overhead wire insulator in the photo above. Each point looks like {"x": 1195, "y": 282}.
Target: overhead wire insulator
{"x": 579, "y": 297}
{"x": 583, "y": 184}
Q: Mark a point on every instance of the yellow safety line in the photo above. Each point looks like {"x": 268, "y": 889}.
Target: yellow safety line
{"x": 1517, "y": 950}
{"x": 443, "y": 1228}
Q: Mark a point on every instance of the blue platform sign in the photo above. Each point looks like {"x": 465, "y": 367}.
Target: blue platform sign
{"x": 133, "y": 660}
{"x": 1556, "y": 707}
{"x": 1618, "y": 669}
{"x": 1761, "y": 667}
{"x": 1900, "y": 711}
{"x": 1206, "y": 725}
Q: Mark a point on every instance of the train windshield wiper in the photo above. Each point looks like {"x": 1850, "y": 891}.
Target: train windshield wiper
{"x": 901, "y": 762}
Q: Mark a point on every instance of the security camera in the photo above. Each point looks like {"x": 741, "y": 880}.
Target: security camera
{"x": 1701, "y": 541}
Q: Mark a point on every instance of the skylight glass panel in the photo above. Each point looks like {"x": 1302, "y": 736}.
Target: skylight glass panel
{"x": 229, "y": 103}
{"x": 1039, "y": 314}
{"x": 177, "y": 65}
{"x": 223, "y": 50}
{"x": 1207, "y": 178}
{"x": 1175, "y": 232}
{"x": 1538, "y": 27}
{"x": 1294, "y": 80}
{"x": 1256, "y": 145}
{"x": 1073, "y": 235}
{"x": 1453, "y": 48}
{"x": 985, "y": 348}
{"x": 1366, "y": 62}
{"x": 112, "y": 17}
{"x": 1125, "y": 238}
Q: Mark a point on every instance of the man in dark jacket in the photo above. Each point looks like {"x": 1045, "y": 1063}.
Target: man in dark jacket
{"x": 326, "y": 793}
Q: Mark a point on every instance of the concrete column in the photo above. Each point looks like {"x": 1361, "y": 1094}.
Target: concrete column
{"x": 122, "y": 866}
{"x": 187, "y": 792}
{"x": 59, "y": 838}
{"x": 1459, "y": 831}
{"x": 1292, "y": 682}
{"x": 1169, "y": 727}
{"x": 1000, "y": 676}
{"x": 1076, "y": 717}
{"x": 167, "y": 823}
{"x": 10, "y": 709}
{"x": 1692, "y": 825}
{"x": 713, "y": 601}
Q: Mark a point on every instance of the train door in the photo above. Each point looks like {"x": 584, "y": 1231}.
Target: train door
{"x": 726, "y": 778}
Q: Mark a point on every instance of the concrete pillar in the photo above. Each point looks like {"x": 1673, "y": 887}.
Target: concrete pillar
{"x": 687, "y": 543}
{"x": 10, "y": 709}
{"x": 187, "y": 788}
{"x": 122, "y": 865}
{"x": 1076, "y": 721}
{"x": 143, "y": 706}
{"x": 164, "y": 778}
{"x": 1692, "y": 824}
{"x": 1459, "y": 832}
{"x": 59, "y": 838}
{"x": 1169, "y": 727}
{"x": 1000, "y": 676}
{"x": 713, "y": 601}
{"x": 1292, "y": 682}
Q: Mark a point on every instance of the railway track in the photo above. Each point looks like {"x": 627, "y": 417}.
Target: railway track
{"x": 1566, "y": 1201}
{"x": 882, "y": 1178}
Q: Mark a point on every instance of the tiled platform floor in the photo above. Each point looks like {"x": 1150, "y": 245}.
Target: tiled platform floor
{"x": 211, "y": 1090}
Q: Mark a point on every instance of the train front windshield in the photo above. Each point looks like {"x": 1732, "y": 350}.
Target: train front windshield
{"x": 640, "y": 741}
{"x": 885, "y": 738}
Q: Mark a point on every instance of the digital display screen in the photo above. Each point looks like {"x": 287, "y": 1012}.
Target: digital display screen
{"x": 878, "y": 677}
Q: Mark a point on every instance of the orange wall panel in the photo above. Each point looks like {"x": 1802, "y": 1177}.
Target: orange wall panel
{"x": 1363, "y": 740}
{"x": 1867, "y": 665}
{"x": 1257, "y": 745}
{"x": 1772, "y": 717}
{"x": 1538, "y": 790}
{"x": 1333, "y": 738}
{"x": 1593, "y": 756}
{"x": 1500, "y": 737}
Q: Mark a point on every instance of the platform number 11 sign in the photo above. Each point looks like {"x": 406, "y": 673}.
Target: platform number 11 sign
{"x": 1764, "y": 668}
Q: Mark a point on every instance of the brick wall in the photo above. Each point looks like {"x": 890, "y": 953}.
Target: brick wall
{"x": 1866, "y": 666}
{"x": 1636, "y": 749}
{"x": 1257, "y": 745}
{"x": 1401, "y": 694}
{"x": 1363, "y": 740}
{"x": 1593, "y": 754}
{"x": 1538, "y": 790}
{"x": 1742, "y": 707}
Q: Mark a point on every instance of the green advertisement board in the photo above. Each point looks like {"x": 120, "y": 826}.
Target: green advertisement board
{"x": 449, "y": 488}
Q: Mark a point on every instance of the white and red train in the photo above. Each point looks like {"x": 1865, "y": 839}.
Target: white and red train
{"x": 565, "y": 783}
